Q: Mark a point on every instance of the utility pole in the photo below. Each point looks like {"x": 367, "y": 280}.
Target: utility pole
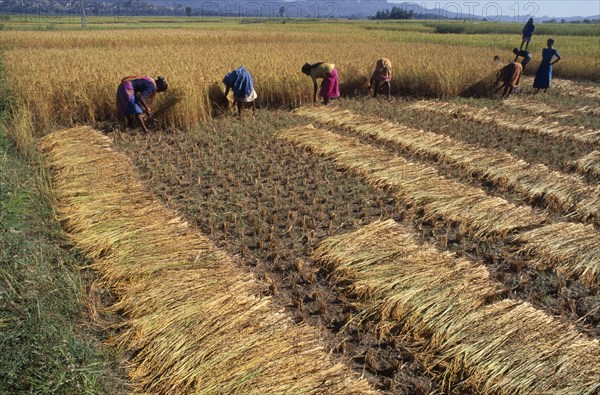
{"x": 83, "y": 20}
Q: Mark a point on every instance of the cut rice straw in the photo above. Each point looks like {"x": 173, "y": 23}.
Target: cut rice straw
{"x": 507, "y": 347}
{"x": 570, "y": 88}
{"x": 573, "y": 250}
{"x": 471, "y": 208}
{"x": 567, "y": 194}
{"x": 536, "y": 125}
{"x": 194, "y": 320}
{"x": 540, "y": 108}
{"x": 589, "y": 164}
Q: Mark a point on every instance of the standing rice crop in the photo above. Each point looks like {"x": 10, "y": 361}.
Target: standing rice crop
{"x": 80, "y": 86}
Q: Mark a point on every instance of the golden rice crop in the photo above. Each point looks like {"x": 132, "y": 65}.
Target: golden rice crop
{"x": 418, "y": 185}
{"x": 573, "y": 250}
{"x": 533, "y": 182}
{"x": 194, "y": 320}
{"x": 87, "y": 67}
{"x": 507, "y": 347}
{"x": 537, "y": 125}
{"x": 589, "y": 164}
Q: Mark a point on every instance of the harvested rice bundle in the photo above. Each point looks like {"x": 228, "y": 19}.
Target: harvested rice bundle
{"x": 558, "y": 191}
{"x": 572, "y": 249}
{"x": 570, "y": 88}
{"x": 218, "y": 338}
{"x": 194, "y": 320}
{"x": 507, "y": 347}
{"x": 537, "y": 125}
{"x": 398, "y": 279}
{"x": 421, "y": 186}
{"x": 589, "y": 164}
{"x": 540, "y": 108}
{"x": 513, "y": 348}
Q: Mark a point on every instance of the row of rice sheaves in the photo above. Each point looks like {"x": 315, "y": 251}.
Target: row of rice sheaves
{"x": 471, "y": 208}
{"x": 588, "y": 164}
{"x": 506, "y": 347}
{"x": 193, "y": 320}
{"x": 540, "y": 108}
{"x": 565, "y": 193}
{"x": 419, "y": 185}
{"x": 536, "y": 125}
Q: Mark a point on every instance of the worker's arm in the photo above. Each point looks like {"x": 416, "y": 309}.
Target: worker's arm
{"x": 144, "y": 103}
{"x": 315, "y": 91}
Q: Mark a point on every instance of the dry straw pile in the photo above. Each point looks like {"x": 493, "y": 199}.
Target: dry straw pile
{"x": 570, "y": 88}
{"x": 507, "y": 347}
{"x": 589, "y": 164}
{"x": 418, "y": 185}
{"x": 537, "y": 125}
{"x": 540, "y": 108}
{"x": 194, "y": 321}
{"x": 565, "y": 193}
{"x": 572, "y": 249}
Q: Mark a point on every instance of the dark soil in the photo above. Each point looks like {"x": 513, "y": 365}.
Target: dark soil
{"x": 271, "y": 204}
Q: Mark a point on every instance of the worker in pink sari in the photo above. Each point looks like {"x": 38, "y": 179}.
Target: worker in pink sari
{"x": 135, "y": 95}
{"x": 330, "y": 87}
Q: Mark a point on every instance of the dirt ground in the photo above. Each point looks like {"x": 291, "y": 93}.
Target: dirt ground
{"x": 271, "y": 204}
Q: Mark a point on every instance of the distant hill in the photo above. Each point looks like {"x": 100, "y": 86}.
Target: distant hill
{"x": 318, "y": 9}
{"x": 493, "y": 11}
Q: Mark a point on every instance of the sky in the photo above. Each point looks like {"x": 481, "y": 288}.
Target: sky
{"x": 554, "y": 8}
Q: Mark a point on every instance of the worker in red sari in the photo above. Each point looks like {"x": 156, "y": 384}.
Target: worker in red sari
{"x": 383, "y": 74}
{"x": 135, "y": 96}
{"x": 330, "y": 87}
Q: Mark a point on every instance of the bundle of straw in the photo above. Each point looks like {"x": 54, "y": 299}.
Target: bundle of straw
{"x": 558, "y": 191}
{"x": 194, "y": 320}
{"x": 589, "y": 164}
{"x": 418, "y": 185}
{"x": 507, "y": 347}
{"x": 536, "y": 125}
{"x": 540, "y": 108}
{"x": 572, "y": 249}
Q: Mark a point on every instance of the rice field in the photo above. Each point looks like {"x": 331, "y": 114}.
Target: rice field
{"x": 443, "y": 242}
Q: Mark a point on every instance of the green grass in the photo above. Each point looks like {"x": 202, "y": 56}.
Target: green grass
{"x": 46, "y": 344}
